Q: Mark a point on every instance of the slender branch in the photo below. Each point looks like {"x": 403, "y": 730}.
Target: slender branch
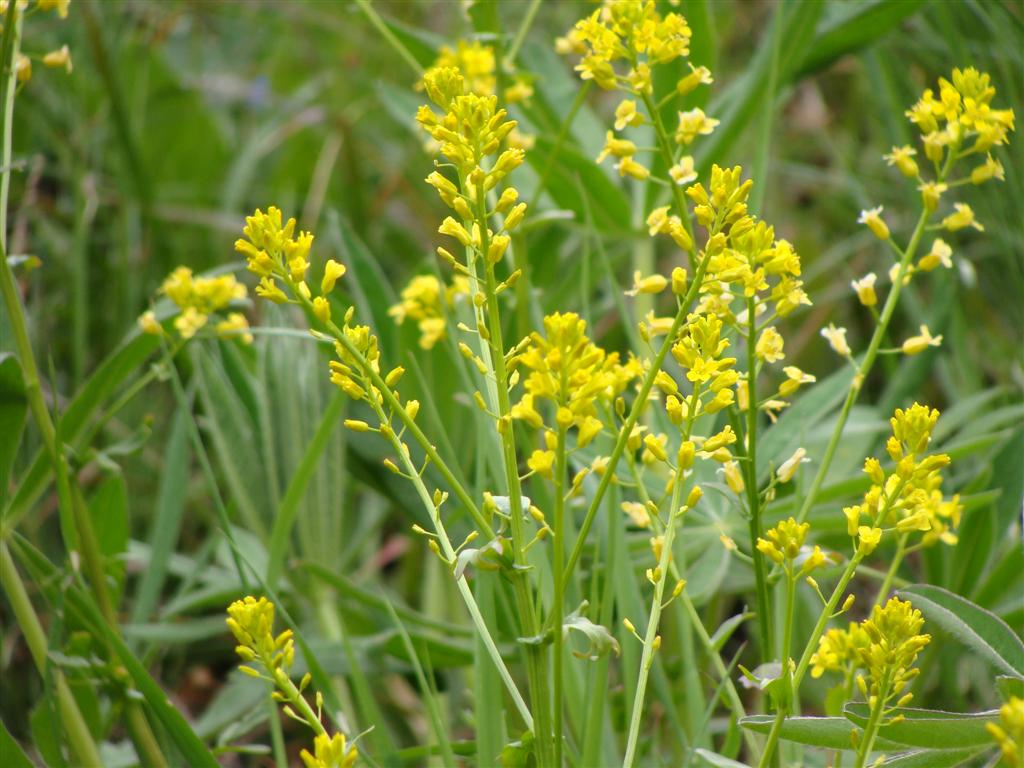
{"x": 379, "y": 24}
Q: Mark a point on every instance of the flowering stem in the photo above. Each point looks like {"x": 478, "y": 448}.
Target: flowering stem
{"x": 873, "y": 348}
{"x": 812, "y": 644}
{"x": 826, "y": 614}
{"x": 764, "y": 609}
{"x": 79, "y": 739}
{"x": 874, "y": 721}
{"x": 634, "y": 415}
{"x": 669, "y": 158}
{"x": 449, "y": 552}
{"x": 784, "y": 701}
{"x": 647, "y": 657}
{"x": 536, "y": 655}
{"x": 897, "y": 558}
{"x": 558, "y": 606}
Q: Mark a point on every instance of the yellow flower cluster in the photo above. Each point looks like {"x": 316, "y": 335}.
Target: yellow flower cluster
{"x": 784, "y": 545}
{"x": 476, "y": 62}
{"x": 895, "y": 640}
{"x": 839, "y": 650}
{"x": 426, "y": 300}
{"x": 909, "y": 497}
{"x": 743, "y": 251}
{"x": 630, "y": 31}
{"x": 958, "y": 124}
{"x": 471, "y": 130}
{"x": 962, "y": 111}
{"x": 571, "y": 372}
{"x": 1009, "y": 733}
{"x": 884, "y": 646}
{"x": 635, "y": 33}
{"x": 281, "y": 259}
{"x": 197, "y": 298}
{"x": 251, "y": 621}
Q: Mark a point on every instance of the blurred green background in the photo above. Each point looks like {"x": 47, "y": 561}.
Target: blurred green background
{"x": 181, "y": 117}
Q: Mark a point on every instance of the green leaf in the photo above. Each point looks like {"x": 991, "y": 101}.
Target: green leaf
{"x": 1010, "y": 686}
{"x": 600, "y": 640}
{"x": 932, "y": 758}
{"x": 929, "y": 728}
{"x": 713, "y": 758}
{"x": 114, "y": 371}
{"x": 863, "y": 24}
{"x": 12, "y": 753}
{"x": 972, "y": 625}
{"x": 13, "y": 410}
{"x": 827, "y": 732}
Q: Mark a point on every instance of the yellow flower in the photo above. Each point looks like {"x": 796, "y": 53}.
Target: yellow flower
{"x": 769, "y": 346}
{"x": 475, "y": 61}
{"x": 1009, "y": 733}
{"x": 865, "y": 289}
{"x": 541, "y": 462}
{"x": 789, "y": 467}
{"x": 23, "y": 68}
{"x": 733, "y": 477}
{"x": 873, "y": 219}
{"x": 629, "y": 167}
{"x": 149, "y": 324}
{"x": 903, "y": 159}
{"x": 868, "y": 538}
{"x": 838, "y": 649}
{"x": 964, "y": 217}
{"x": 693, "y": 123}
{"x": 931, "y": 192}
{"x": 698, "y": 76}
{"x": 940, "y": 253}
{"x": 990, "y": 169}
{"x": 795, "y": 378}
{"x": 333, "y": 271}
{"x": 626, "y": 114}
{"x": 836, "y": 339}
{"x": 652, "y": 284}
{"x": 235, "y": 326}
{"x": 330, "y": 752}
{"x": 683, "y": 172}
{"x": 59, "y": 58}
{"x": 917, "y": 344}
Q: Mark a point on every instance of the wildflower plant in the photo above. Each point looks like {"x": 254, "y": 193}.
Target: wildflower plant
{"x": 621, "y": 474}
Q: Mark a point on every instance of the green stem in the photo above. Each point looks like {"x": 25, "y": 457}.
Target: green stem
{"x": 873, "y": 348}
{"x": 558, "y": 605}
{"x": 374, "y": 18}
{"x": 79, "y": 739}
{"x": 783, "y": 703}
{"x": 647, "y": 657}
{"x": 873, "y": 724}
{"x": 9, "y": 49}
{"x": 897, "y": 558}
{"x": 461, "y": 583}
{"x": 826, "y": 614}
{"x": 71, "y": 501}
{"x": 764, "y": 609}
{"x": 536, "y": 655}
{"x": 524, "y": 27}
